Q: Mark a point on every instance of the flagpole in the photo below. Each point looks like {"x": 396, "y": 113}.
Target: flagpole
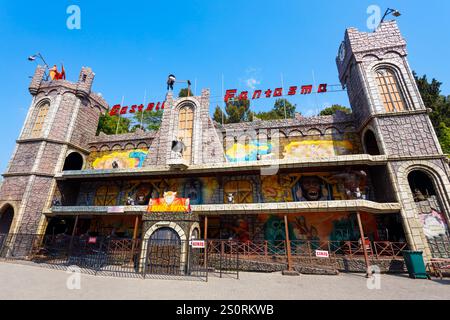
{"x": 145, "y": 101}
{"x": 223, "y": 100}
{"x": 284, "y": 100}
{"x": 118, "y": 119}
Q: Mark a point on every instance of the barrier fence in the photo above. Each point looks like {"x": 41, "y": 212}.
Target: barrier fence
{"x": 143, "y": 258}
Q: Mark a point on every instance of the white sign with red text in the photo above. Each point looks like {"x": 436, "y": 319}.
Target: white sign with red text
{"x": 322, "y": 254}
{"x": 197, "y": 244}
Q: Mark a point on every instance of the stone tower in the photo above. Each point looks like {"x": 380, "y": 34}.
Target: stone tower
{"x": 392, "y": 118}
{"x": 61, "y": 120}
{"x": 204, "y": 145}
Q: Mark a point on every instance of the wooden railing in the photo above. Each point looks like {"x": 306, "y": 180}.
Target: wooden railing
{"x": 267, "y": 250}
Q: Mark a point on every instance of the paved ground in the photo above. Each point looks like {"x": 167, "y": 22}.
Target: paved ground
{"x": 19, "y": 281}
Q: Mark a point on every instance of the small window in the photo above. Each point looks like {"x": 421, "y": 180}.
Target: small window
{"x": 106, "y": 196}
{"x": 40, "y": 120}
{"x": 389, "y": 89}
{"x": 241, "y": 191}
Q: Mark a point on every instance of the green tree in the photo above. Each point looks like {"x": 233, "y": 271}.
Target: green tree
{"x": 440, "y": 108}
{"x": 278, "y": 111}
{"x": 235, "y": 111}
{"x": 184, "y": 93}
{"x": 219, "y": 115}
{"x": 332, "y": 110}
{"x": 151, "y": 120}
{"x": 108, "y": 124}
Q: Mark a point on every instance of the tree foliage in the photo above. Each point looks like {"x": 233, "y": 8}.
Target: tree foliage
{"x": 332, "y": 110}
{"x": 108, "y": 124}
{"x": 151, "y": 120}
{"x": 440, "y": 106}
{"x": 184, "y": 93}
{"x": 278, "y": 111}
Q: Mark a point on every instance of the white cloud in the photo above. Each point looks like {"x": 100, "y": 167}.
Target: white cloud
{"x": 252, "y": 83}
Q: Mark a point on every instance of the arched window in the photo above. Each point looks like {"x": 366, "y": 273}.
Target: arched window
{"x": 241, "y": 191}
{"x": 389, "y": 89}
{"x": 74, "y": 161}
{"x": 185, "y": 130}
{"x": 371, "y": 144}
{"x": 421, "y": 185}
{"x": 40, "y": 119}
{"x": 106, "y": 196}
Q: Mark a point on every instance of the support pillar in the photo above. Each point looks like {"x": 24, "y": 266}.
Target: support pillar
{"x": 363, "y": 243}
{"x": 290, "y": 271}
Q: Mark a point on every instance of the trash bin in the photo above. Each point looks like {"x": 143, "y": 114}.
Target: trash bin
{"x": 414, "y": 264}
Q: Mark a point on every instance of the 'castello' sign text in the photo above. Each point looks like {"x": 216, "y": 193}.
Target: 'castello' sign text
{"x": 118, "y": 109}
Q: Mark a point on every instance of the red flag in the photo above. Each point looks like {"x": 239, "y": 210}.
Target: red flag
{"x": 62, "y": 75}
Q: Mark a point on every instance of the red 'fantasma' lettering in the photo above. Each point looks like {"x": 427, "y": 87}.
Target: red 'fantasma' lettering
{"x": 278, "y": 92}
{"x": 163, "y": 104}
{"x": 268, "y": 93}
{"x": 230, "y": 94}
{"x": 157, "y": 106}
{"x": 114, "y": 110}
{"x": 140, "y": 107}
{"x": 257, "y": 94}
{"x": 150, "y": 106}
{"x": 243, "y": 95}
{"x": 306, "y": 89}
{"x": 322, "y": 88}
{"x": 292, "y": 91}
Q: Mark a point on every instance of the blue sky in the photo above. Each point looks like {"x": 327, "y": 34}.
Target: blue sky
{"x": 133, "y": 45}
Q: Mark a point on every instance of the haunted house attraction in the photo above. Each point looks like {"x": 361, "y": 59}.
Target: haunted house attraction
{"x": 283, "y": 194}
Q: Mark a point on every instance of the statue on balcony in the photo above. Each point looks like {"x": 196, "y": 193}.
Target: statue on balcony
{"x": 352, "y": 181}
{"x": 230, "y": 198}
{"x": 178, "y": 147}
{"x": 130, "y": 201}
{"x": 310, "y": 188}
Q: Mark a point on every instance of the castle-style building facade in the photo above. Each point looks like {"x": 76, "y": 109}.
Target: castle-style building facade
{"x": 379, "y": 171}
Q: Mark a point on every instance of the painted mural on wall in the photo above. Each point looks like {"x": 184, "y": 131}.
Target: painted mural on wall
{"x": 345, "y": 185}
{"x": 295, "y": 147}
{"x": 252, "y": 151}
{"x": 128, "y": 159}
{"x": 317, "y": 149}
{"x": 139, "y": 192}
{"x": 310, "y": 226}
{"x": 434, "y": 225}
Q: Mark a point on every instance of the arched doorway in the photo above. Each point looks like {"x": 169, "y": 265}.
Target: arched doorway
{"x": 371, "y": 144}
{"x": 431, "y": 213}
{"x": 6, "y": 218}
{"x": 74, "y": 161}
{"x": 164, "y": 252}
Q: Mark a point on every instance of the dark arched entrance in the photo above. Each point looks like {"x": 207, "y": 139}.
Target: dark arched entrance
{"x": 74, "y": 161}
{"x": 371, "y": 144}
{"x": 6, "y": 218}
{"x": 431, "y": 213}
{"x": 164, "y": 252}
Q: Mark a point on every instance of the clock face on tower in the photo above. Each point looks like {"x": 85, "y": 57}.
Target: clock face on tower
{"x": 342, "y": 52}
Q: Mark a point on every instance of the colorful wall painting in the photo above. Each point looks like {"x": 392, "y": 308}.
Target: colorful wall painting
{"x": 434, "y": 225}
{"x": 128, "y": 159}
{"x": 317, "y": 149}
{"x": 306, "y": 226}
{"x": 345, "y": 185}
{"x": 169, "y": 203}
{"x": 199, "y": 190}
{"x": 239, "y": 152}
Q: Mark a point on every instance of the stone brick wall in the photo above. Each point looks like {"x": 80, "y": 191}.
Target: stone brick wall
{"x": 63, "y": 117}
{"x": 408, "y": 135}
{"x": 33, "y": 208}
{"x": 25, "y": 157}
